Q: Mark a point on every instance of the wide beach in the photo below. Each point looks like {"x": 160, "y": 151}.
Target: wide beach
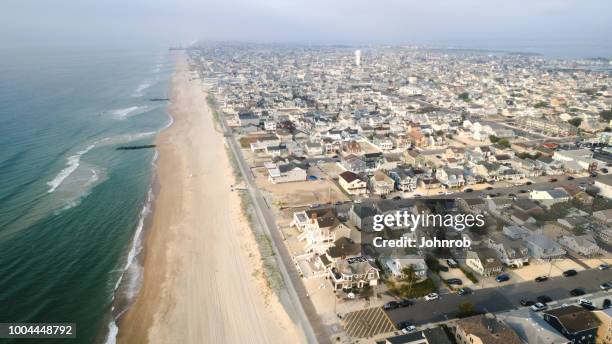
{"x": 202, "y": 278}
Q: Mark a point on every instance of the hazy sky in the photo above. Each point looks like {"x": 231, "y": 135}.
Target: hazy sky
{"x": 476, "y": 22}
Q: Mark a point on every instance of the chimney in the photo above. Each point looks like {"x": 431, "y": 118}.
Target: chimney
{"x": 313, "y": 217}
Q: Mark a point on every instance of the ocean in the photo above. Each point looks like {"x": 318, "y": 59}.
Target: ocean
{"x": 72, "y": 207}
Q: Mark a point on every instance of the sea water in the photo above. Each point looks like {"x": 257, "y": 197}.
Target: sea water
{"x": 72, "y": 207}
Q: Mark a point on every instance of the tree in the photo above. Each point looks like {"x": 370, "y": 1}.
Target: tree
{"x": 466, "y": 309}
{"x": 465, "y": 96}
{"x": 493, "y": 138}
{"x": 540, "y": 104}
{"x": 575, "y": 121}
{"x": 504, "y": 142}
{"x": 606, "y": 115}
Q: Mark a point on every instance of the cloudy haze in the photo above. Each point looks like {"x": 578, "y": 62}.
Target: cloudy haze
{"x": 162, "y": 22}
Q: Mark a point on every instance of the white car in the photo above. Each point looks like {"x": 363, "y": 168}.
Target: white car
{"x": 431, "y": 297}
{"x": 408, "y": 329}
{"x": 603, "y": 267}
{"x": 605, "y": 286}
{"x": 585, "y": 302}
{"x": 539, "y": 307}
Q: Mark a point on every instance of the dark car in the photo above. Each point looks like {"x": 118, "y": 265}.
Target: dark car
{"x": 511, "y": 195}
{"x": 443, "y": 268}
{"x": 577, "y": 292}
{"x": 523, "y": 191}
{"x": 570, "y": 178}
{"x": 391, "y": 305}
{"x": 543, "y": 299}
{"x": 454, "y": 281}
{"x": 569, "y": 273}
{"x": 604, "y": 170}
{"x": 527, "y": 303}
{"x": 468, "y": 190}
{"x": 464, "y": 291}
{"x": 594, "y": 174}
{"x": 552, "y": 180}
{"x": 502, "y": 278}
{"x": 405, "y": 303}
{"x": 528, "y": 183}
{"x": 541, "y": 278}
{"x": 489, "y": 188}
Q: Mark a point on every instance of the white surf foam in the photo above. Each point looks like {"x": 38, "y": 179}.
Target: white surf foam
{"x": 71, "y": 166}
{"x": 131, "y": 275}
{"x": 138, "y": 92}
{"x": 129, "y": 111}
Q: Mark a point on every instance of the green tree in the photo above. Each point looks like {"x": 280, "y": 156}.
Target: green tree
{"x": 575, "y": 121}
{"x": 504, "y": 142}
{"x": 493, "y": 138}
{"x": 466, "y": 309}
{"x": 606, "y": 115}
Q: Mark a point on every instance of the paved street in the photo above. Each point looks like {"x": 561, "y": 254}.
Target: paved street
{"x": 503, "y": 298}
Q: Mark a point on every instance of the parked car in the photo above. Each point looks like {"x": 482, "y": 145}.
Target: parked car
{"x": 443, "y": 268}
{"x": 527, "y": 302}
{"x": 570, "y": 178}
{"x": 405, "y": 303}
{"x": 577, "y": 292}
{"x": 603, "y": 266}
{"x": 552, "y": 180}
{"x": 452, "y": 263}
{"x": 432, "y": 296}
{"x": 489, "y": 188}
{"x": 502, "y": 278}
{"x": 587, "y": 304}
{"x": 538, "y": 307}
{"x": 604, "y": 170}
{"x": 570, "y": 272}
{"x": 468, "y": 190}
{"x": 605, "y": 286}
{"x": 464, "y": 291}
{"x": 528, "y": 183}
{"x": 391, "y": 305}
{"x": 406, "y": 327}
{"x": 543, "y": 299}
{"x": 454, "y": 281}
{"x": 541, "y": 279}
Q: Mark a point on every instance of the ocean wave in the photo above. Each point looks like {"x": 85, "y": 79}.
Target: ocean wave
{"x": 129, "y": 111}
{"x": 71, "y": 166}
{"x": 169, "y": 124}
{"x": 138, "y": 92}
{"x": 128, "y": 283}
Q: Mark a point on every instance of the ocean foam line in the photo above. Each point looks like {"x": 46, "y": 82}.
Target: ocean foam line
{"x": 132, "y": 270}
{"x": 71, "y": 166}
{"x": 143, "y": 86}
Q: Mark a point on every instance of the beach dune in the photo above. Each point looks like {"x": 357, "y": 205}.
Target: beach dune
{"x": 202, "y": 272}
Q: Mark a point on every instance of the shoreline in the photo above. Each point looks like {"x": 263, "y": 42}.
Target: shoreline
{"x": 181, "y": 298}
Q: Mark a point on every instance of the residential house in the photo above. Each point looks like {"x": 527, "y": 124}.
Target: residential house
{"x": 396, "y": 265}
{"x": 286, "y": 173}
{"x": 351, "y": 273}
{"x": 404, "y": 177}
{"x": 319, "y": 228}
{"x": 314, "y": 148}
{"x": 531, "y": 328}
{"x": 604, "y": 185}
{"x": 584, "y": 245}
{"x": 353, "y": 163}
{"x": 574, "y": 323}
{"x": 543, "y": 248}
{"x": 483, "y": 260}
{"x": 483, "y": 329}
{"x": 510, "y": 252}
{"x": 550, "y": 197}
{"x": 450, "y": 177}
{"x": 435, "y": 335}
{"x": 362, "y": 214}
{"x": 381, "y": 184}
{"x": 352, "y": 184}
{"x": 604, "y": 331}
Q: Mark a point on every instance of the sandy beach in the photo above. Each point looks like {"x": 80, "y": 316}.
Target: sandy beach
{"x": 202, "y": 271}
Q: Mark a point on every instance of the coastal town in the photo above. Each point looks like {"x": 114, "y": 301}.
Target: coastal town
{"x": 329, "y": 140}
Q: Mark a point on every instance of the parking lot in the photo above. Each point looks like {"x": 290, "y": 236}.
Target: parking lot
{"x": 367, "y": 323}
